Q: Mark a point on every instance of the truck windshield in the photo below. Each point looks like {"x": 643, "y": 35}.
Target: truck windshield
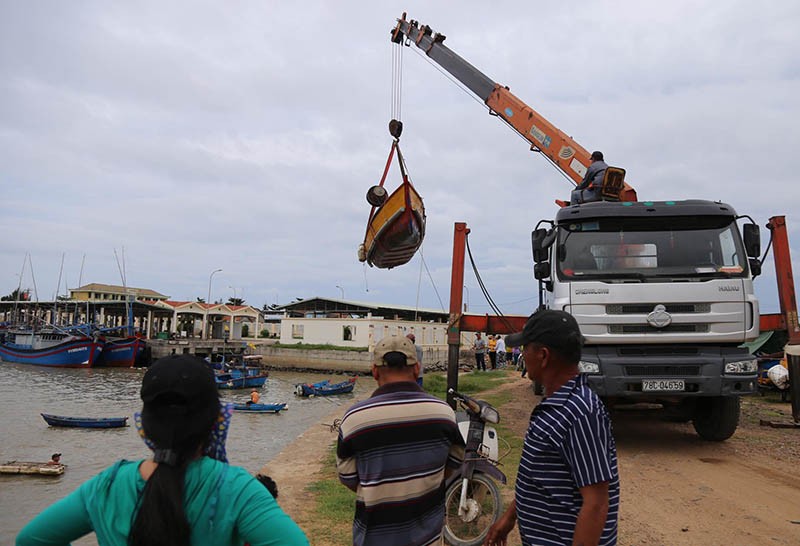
{"x": 651, "y": 248}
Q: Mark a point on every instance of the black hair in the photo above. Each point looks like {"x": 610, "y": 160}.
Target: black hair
{"x": 395, "y": 359}
{"x": 160, "y": 519}
{"x": 269, "y": 483}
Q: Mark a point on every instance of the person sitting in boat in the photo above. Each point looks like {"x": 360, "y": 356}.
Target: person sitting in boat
{"x": 254, "y": 397}
{"x": 55, "y": 459}
{"x": 186, "y": 493}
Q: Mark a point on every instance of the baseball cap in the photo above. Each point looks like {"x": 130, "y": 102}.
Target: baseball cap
{"x": 177, "y": 390}
{"x": 555, "y": 329}
{"x": 395, "y": 344}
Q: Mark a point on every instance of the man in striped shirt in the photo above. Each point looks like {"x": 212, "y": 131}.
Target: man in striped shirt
{"x": 567, "y": 488}
{"x": 395, "y": 450}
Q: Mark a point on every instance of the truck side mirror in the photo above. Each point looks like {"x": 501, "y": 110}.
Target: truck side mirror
{"x": 755, "y": 267}
{"x": 752, "y": 240}
{"x": 541, "y": 270}
{"x": 539, "y": 251}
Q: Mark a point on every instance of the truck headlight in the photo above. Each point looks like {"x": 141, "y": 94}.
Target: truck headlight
{"x": 742, "y": 366}
{"x": 588, "y": 367}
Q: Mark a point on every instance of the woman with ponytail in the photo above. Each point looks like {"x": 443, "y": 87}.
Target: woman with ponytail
{"x": 186, "y": 494}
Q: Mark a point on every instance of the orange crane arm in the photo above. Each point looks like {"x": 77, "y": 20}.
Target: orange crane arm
{"x": 560, "y": 148}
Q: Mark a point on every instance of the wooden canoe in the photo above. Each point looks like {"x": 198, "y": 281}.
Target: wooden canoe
{"x": 84, "y": 422}
{"x": 395, "y": 231}
{"x": 22, "y": 467}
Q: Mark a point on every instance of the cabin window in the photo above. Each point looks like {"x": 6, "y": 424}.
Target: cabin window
{"x": 348, "y": 332}
{"x": 297, "y": 331}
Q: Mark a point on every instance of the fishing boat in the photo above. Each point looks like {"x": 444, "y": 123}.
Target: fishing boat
{"x": 241, "y": 378}
{"x": 84, "y": 422}
{"x": 325, "y": 388}
{"x": 27, "y": 467}
{"x": 260, "y": 408}
{"x": 121, "y": 352}
{"x": 55, "y": 348}
{"x": 396, "y": 224}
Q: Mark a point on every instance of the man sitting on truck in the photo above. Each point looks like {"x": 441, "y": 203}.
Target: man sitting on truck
{"x": 589, "y": 188}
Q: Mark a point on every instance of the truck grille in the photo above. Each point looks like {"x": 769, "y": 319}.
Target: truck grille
{"x": 662, "y": 371}
{"x": 657, "y": 351}
{"x": 644, "y": 308}
{"x": 647, "y": 329}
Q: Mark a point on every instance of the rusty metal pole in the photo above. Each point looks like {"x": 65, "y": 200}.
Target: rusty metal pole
{"x": 788, "y": 303}
{"x": 454, "y": 324}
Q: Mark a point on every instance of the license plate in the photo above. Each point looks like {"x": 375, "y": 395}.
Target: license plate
{"x": 663, "y": 385}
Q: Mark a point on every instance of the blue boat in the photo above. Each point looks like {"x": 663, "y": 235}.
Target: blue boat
{"x": 121, "y": 352}
{"x": 260, "y": 408}
{"x": 241, "y": 378}
{"x": 325, "y": 388}
{"x": 84, "y": 422}
{"x": 50, "y": 348}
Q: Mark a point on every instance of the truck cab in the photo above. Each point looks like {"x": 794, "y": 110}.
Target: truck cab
{"x": 663, "y": 293}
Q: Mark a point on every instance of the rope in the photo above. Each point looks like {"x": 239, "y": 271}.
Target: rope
{"x": 484, "y": 289}
{"x": 422, "y": 257}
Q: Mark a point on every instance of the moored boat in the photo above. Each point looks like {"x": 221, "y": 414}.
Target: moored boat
{"x": 241, "y": 378}
{"x": 121, "y": 352}
{"x": 260, "y": 408}
{"x": 51, "y": 348}
{"x": 84, "y": 422}
{"x": 325, "y": 388}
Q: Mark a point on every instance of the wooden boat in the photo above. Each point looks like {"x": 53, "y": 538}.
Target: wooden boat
{"x": 241, "y": 378}
{"x": 396, "y": 227}
{"x": 57, "y": 349}
{"x": 84, "y": 422}
{"x": 23, "y": 467}
{"x": 325, "y": 388}
{"x": 260, "y": 408}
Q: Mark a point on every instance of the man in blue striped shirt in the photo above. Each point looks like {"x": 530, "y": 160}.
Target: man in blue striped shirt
{"x": 567, "y": 488}
{"x": 395, "y": 450}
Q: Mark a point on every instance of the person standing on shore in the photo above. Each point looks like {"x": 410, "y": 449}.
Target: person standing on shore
{"x": 186, "y": 493}
{"x": 417, "y": 348}
{"x": 567, "y": 489}
{"x": 492, "y": 351}
{"x": 395, "y": 450}
{"x": 479, "y": 346}
{"x": 501, "y": 351}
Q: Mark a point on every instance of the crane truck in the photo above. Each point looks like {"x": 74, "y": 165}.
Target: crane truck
{"x": 662, "y": 291}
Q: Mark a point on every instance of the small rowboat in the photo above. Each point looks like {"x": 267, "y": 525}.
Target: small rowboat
{"x": 396, "y": 225}
{"x": 260, "y": 408}
{"x": 22, "y": 467}
{"x": 325, "y": 388}
{"x": 84, "y": 422}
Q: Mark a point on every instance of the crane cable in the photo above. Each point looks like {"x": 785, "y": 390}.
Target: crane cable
{"x": 485, "y": 291}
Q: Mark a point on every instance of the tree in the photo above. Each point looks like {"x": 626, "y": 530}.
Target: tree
{"x": 235, "y": 301}
{"x": 201, "y": 300}
{"x": 18, "y": 295}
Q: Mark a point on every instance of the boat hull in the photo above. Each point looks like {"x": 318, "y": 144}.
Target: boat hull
{"x": 238, "y": 379}
{"x": 80, "y": 353}
{"x": 325, "y": 388}
{"x": 84, "y": 422}
{"x": 121, "y": 352}
{"x": 395, "y": 231}
{"x": 260, "y": 408}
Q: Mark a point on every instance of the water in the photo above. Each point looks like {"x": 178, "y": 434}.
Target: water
{"x": 27, "y": 391}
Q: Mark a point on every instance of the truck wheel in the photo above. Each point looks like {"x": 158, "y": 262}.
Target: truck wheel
{"x": 716, "y": 418}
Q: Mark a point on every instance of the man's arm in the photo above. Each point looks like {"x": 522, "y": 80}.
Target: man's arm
{"x": 498, "y": 532}
{"x": 346, "y": 464}
{"x": 592, "y": 516}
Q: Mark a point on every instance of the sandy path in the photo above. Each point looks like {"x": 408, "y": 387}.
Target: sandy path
{"x": 676, "y": 488}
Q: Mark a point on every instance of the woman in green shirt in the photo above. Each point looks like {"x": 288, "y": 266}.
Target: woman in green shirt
{"x": 187, "y": 494}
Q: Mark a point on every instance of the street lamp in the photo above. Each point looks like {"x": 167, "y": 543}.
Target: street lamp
{"x": 342, "y": 289}
{"x": 208, "y": 302}
{"x": 466, "y": 303}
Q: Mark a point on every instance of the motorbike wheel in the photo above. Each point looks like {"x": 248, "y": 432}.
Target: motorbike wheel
{"x": 484, "y": 506}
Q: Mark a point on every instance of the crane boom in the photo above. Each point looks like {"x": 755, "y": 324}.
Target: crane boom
{"x": 560, "y": 148}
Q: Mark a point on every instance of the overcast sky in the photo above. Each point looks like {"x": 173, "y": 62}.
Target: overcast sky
{"x": 244, "y": 135}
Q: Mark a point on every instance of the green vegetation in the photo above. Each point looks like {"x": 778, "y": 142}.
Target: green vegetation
{"x": 334, "y": 503}
{"x": 319, "y": 347}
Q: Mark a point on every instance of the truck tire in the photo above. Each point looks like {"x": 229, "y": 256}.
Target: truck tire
{"x": 716, "y": 418}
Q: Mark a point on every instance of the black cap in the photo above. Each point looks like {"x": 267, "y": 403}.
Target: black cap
{"x": 180, "y": 396}
{"x": 555, "y": 329}
{"x": 598, "y": 156}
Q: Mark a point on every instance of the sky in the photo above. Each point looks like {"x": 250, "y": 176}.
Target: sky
{"x": 243, "y": 136}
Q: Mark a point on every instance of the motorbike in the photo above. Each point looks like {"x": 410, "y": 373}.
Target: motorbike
{"x": 472, "y": 498}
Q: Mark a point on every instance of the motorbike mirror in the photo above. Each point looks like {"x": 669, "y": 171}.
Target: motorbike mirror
{"x": 489, "y": 414}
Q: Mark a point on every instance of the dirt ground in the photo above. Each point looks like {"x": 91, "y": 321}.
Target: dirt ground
{"x": 676, "y": 488}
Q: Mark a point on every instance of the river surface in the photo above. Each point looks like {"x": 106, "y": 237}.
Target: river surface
{"x": 26, "y": 391}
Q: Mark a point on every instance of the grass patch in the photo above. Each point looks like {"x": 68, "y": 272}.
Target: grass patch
{"x": 471, "y": 383}
{"x": 333, "y": 507}
{"x": 318, "y": 347}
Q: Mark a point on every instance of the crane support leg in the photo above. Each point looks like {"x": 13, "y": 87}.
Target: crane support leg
{"x": 456, "y": 291}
